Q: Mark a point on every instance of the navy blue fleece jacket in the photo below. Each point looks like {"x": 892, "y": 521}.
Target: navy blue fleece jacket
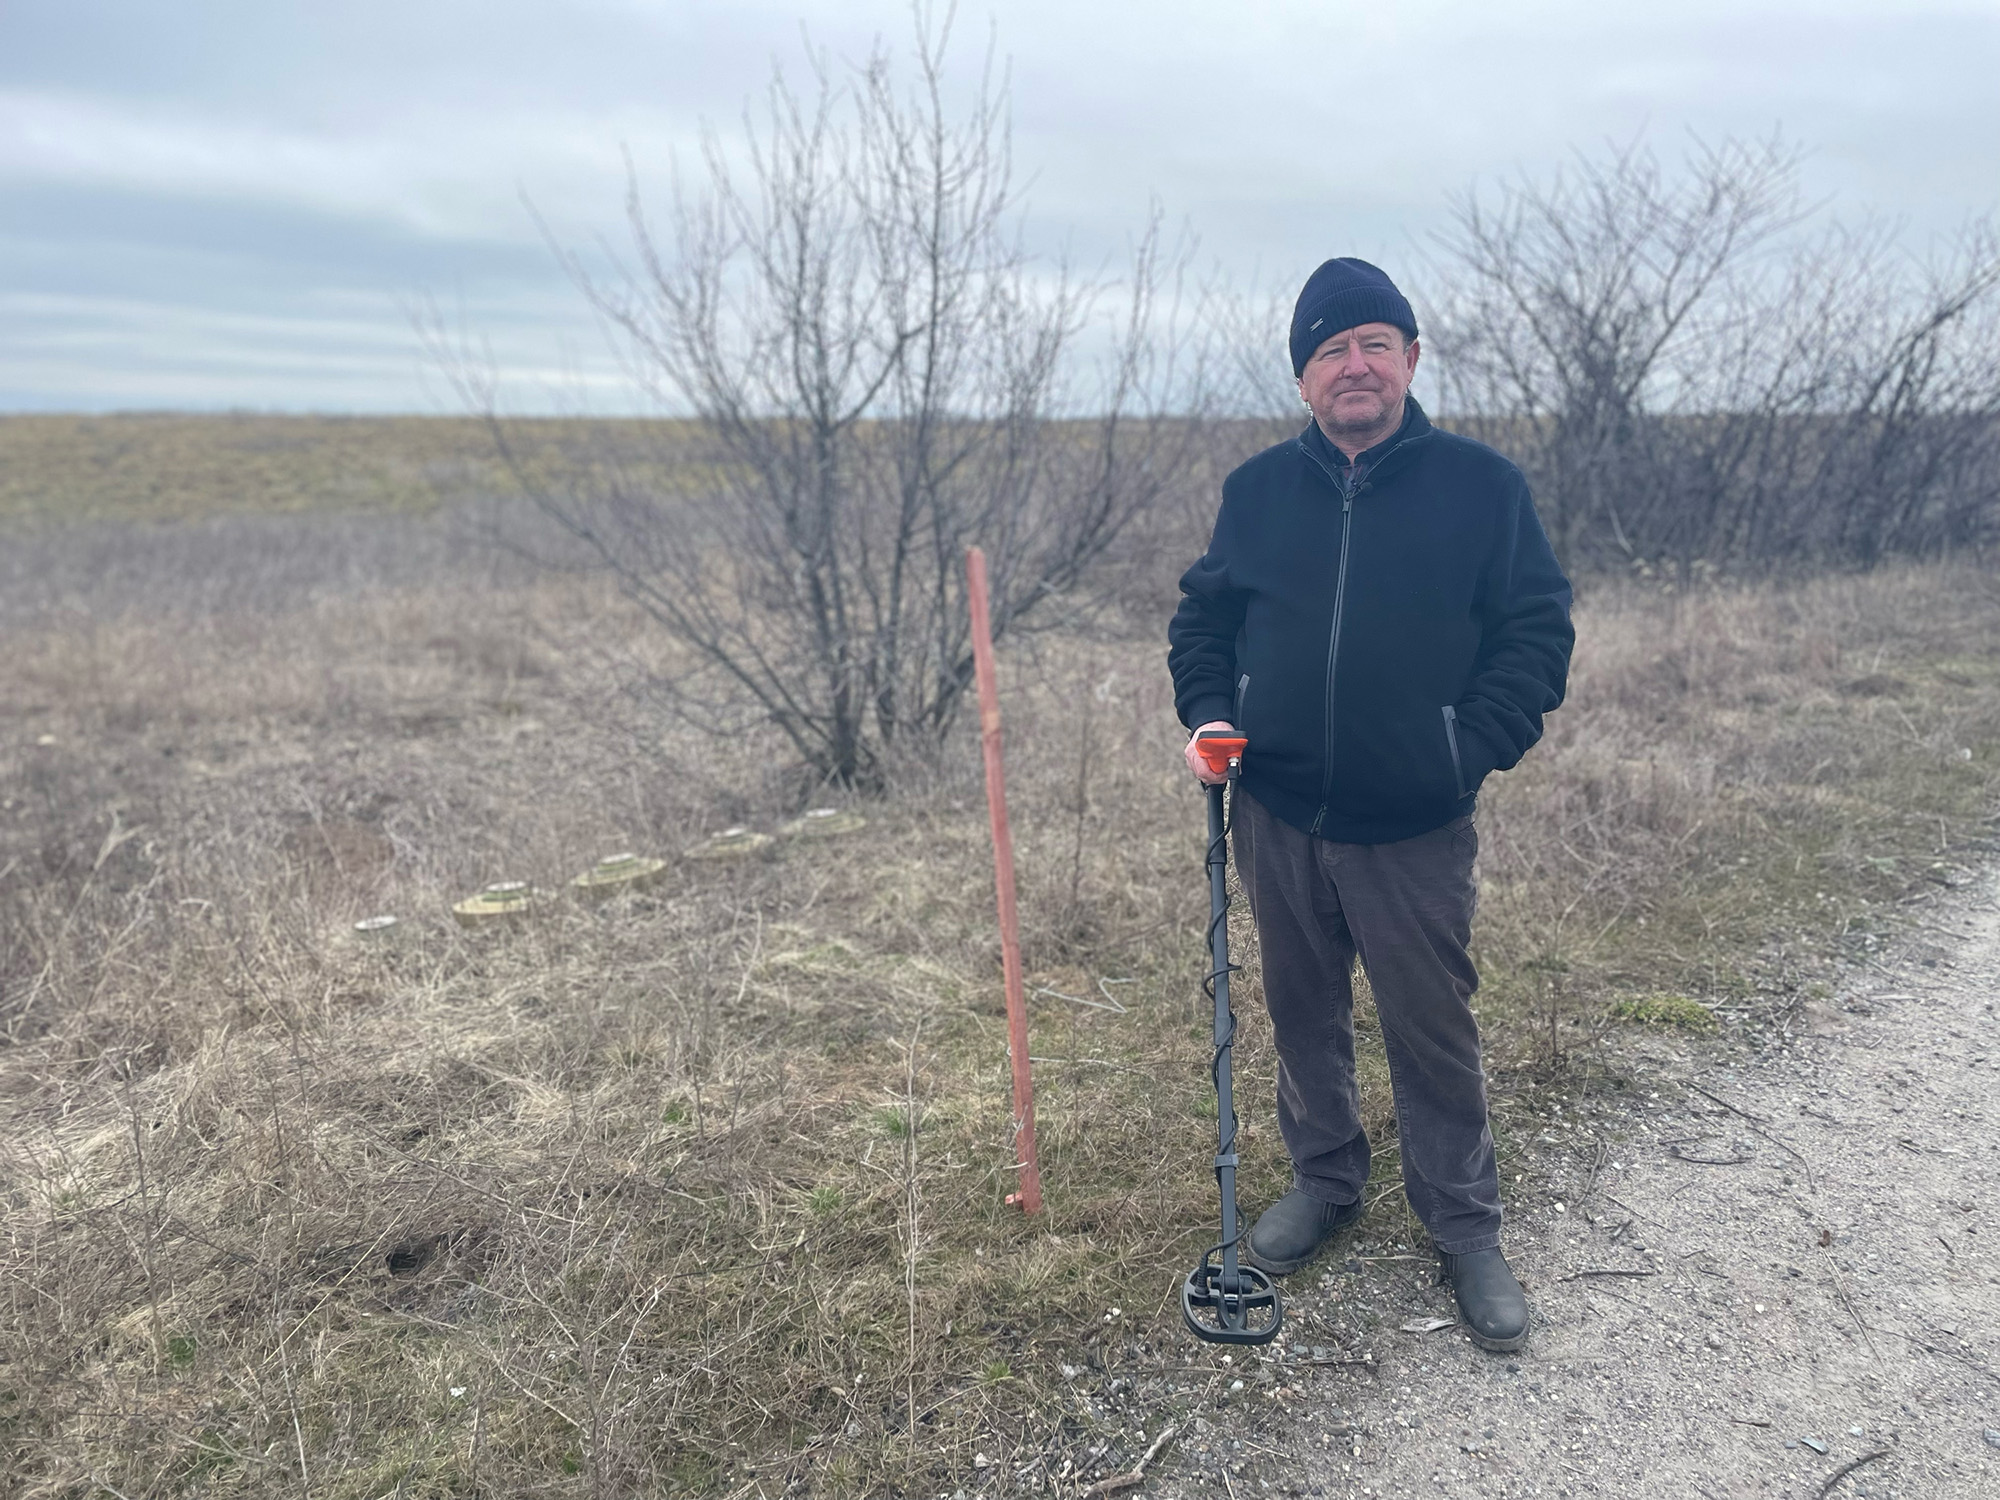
{"x": 1386, "y": 633}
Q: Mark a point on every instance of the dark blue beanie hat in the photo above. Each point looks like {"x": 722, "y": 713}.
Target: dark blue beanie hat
{"x": 1341, "y": 294}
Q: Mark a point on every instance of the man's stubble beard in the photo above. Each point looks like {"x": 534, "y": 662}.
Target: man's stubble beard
{"x": 1384, "y": 421}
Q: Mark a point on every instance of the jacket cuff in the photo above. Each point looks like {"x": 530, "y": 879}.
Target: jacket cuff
{"x": 1207, "y": 710}
{"x": 1476, "y": 755}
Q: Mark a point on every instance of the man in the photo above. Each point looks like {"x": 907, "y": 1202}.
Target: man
{"x": 1380, "y": 614}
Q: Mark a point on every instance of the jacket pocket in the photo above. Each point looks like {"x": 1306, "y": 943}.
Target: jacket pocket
{"x": 1451, "y": 743}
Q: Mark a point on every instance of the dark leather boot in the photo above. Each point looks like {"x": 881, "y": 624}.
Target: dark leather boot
{"x": 1291, "y": 1231}
{"x": 1491, "y": 1304}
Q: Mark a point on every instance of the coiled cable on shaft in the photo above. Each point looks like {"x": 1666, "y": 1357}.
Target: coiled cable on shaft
{"x": 1218, "y": 854}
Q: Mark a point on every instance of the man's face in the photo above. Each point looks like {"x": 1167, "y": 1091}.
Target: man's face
{"x": 1355, "y": 380}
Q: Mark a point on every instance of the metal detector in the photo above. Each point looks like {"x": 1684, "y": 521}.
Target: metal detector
{"x": 1225, "y": 1300}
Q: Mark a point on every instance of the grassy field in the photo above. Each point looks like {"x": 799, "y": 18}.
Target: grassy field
{"x": 700, "y": 1190}
{"x": 167, "y": 466}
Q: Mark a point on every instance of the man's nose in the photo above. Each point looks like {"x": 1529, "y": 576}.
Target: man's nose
{"x": 1355, "y": 363}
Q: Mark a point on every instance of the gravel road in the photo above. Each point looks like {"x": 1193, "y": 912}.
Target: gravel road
{"x": 1778, "y": 1277}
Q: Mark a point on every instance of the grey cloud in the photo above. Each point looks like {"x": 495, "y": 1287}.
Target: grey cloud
{"x": 197, "y": 186}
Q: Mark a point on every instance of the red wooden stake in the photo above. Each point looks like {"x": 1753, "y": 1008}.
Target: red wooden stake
{"x": 1030, "y": 1194}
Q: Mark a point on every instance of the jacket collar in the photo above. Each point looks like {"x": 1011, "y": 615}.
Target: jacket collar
{"x": 1379, "y": 461}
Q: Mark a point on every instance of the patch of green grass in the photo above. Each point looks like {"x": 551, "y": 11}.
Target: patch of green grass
{"x": 826, "y": 1200}
{"x": 1673, "y": 1011}
{"x": 892, "y": 1120}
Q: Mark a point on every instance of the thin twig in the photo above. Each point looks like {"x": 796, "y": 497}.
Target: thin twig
{"x": 1377, "y": 1260}
{"x": 1971, "y": 1364}
{"x": 1758, "y": 1126}
{"x": 1590, "y": 1182}
{"x": 1607, "y": 1271}
{"x": 478, "y": 1436}
{"x": 1136, "y": 1475}
{"x": 1636, "y": 1213}
{"x": 298, "y": 1432}
{"x": 1909, "y": 1144}
{"x": 1840, "y": 1290}
{"x": 1054, "y": 994}
{"x": 750, "y": 964}
{"x": 1706, "y": 1161}
{"x": 1848, "y": 1468}
{"x": 910, "y": 1201}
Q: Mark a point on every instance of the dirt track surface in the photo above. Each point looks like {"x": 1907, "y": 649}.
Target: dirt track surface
{"x": 1806, "y": 1248}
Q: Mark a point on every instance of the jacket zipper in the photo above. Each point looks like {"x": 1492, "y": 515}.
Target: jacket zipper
{"x": 1242, "y": 694}
{"x": 1333, "y": 657}
{"x": 1347, "y": 494}
{"x": 1451, "y": 739}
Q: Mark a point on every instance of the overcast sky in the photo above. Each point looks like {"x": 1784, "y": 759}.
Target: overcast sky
{"x": 223, "y": 204}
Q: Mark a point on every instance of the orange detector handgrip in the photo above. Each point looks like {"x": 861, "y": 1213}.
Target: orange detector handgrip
{"x": 1221, "y": 751}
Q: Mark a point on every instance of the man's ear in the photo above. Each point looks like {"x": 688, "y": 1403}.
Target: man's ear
{"x": 1415, "y": 350}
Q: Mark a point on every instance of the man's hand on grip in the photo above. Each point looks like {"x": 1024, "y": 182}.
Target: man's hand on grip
{"x": 1199, "y": 766}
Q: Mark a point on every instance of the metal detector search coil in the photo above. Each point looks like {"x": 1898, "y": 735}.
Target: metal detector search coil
{"x": 1224, "y": 1300}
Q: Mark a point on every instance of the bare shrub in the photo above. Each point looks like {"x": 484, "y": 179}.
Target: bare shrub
{"x": 878, "y": 376}
{"x": 1695, "y": 369}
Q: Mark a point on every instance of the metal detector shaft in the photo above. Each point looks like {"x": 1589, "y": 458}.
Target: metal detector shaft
{"x": 1225, "y": 1300}
{"x": 1225, "y": 1028}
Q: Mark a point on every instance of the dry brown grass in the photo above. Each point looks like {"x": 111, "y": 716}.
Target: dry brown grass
{"x": 700, "y": 1191}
